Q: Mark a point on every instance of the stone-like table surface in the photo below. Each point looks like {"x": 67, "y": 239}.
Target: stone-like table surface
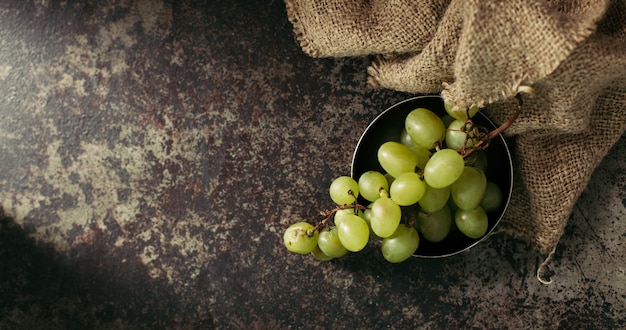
{"x": 152, "y": 152}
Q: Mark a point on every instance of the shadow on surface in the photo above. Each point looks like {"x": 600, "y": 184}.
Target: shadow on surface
{"x": 40, "y": 288}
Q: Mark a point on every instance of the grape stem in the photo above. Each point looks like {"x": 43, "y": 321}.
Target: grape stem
{"x": 328, "y": 215}
{"x": 486, "y": 140}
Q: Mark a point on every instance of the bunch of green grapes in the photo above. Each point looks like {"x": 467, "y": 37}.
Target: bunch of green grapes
{"x": 433, "y": 182}
{"x": 349, "y": 226}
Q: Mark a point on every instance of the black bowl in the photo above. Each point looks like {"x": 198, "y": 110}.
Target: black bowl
{"x": 388, "y": 127}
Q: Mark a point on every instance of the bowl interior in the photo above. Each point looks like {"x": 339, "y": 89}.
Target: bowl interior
{"x": 388, "y": 127}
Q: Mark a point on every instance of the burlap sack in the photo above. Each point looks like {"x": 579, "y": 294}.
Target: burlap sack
{"x": 572, "y": 54}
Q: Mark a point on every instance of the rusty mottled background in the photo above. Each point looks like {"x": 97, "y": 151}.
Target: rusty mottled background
{"x": 152, "y": 152}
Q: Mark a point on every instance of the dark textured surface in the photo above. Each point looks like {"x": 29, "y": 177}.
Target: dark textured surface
{"x": 153, "y": 152}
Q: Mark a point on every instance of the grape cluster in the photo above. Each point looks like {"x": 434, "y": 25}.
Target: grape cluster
{"x": 433, "y": 182}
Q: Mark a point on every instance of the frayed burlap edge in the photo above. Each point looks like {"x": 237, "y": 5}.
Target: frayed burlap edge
{"x": 300, "y": 33}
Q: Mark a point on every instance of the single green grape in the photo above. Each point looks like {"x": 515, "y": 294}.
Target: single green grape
{"x": 371, "y": 183}
{"x": 341, "y": 213}
{"x": 367, "y": 213}
{"x": 460, "y": 113}
{"x": 434, "y": 199}
{"x": 468, "y": 190}
{"x": 435, "y": 226}
{"x": 330, "y": 244}
{"x": 385, "y": 216}
{"x": 389, "y": 178}
{"x": 367, "y": 216}
{"x": 444, "y": 167}
{"x": 453, "y": 208}
{"x": 396, "y": 158}
{"x": 422, "y": 153}
{"x": 401, "y": 245}
{"x": 319, "y": 255}
{"x": 344, "y": 190}
{"x": 447, "y": 120}
{"x": 407, "y": 189}
{"x": 353, "y": 233}
{"x": 425, "y": 128}
{"x": 406, "y": 139}
{"x": 461, "y": 134}
{"x": 300, "y": 238}
{"x": 493, "y": 198}
{"x": 473, "y": 223}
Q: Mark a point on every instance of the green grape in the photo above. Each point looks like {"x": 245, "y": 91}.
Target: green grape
{"x": 385, "y": 216}
{"x": 396, "y": 158}
{"x": 353, "y": 232}
{"x": 401, "y": 244}
{"x": 389, "y": 178}
{"x": 447, "y": 120}
{"x": 492, "y": 199}
{"x": 406, "y": 139}
{"x": 434, "y": 199}
{"x": 461, "y": 134}
{"x": 473, "y": 223}
{"x": 370, "y": 184}
{"x": 344, "y": 190}
{"x": 422, "y": 153}
{"x": 407, "y": 189}
{"x": 452, "y": 206}
{"x": 435, "y": 226}
{"x": 459, "y": 112}
{"x": 341, "y": 213}
{"x": 367, "y": 216}
{"x": 477, "y": 159}
{"x": 300, "y": 238}
{"x": 367, "y": 213}
{"x": 444, "y": 167}
{"x": 468, "y": 190}
{"x": 319, "y": 255}
{"x": 424, "y": 127}
{"x": 330, "y": 244}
